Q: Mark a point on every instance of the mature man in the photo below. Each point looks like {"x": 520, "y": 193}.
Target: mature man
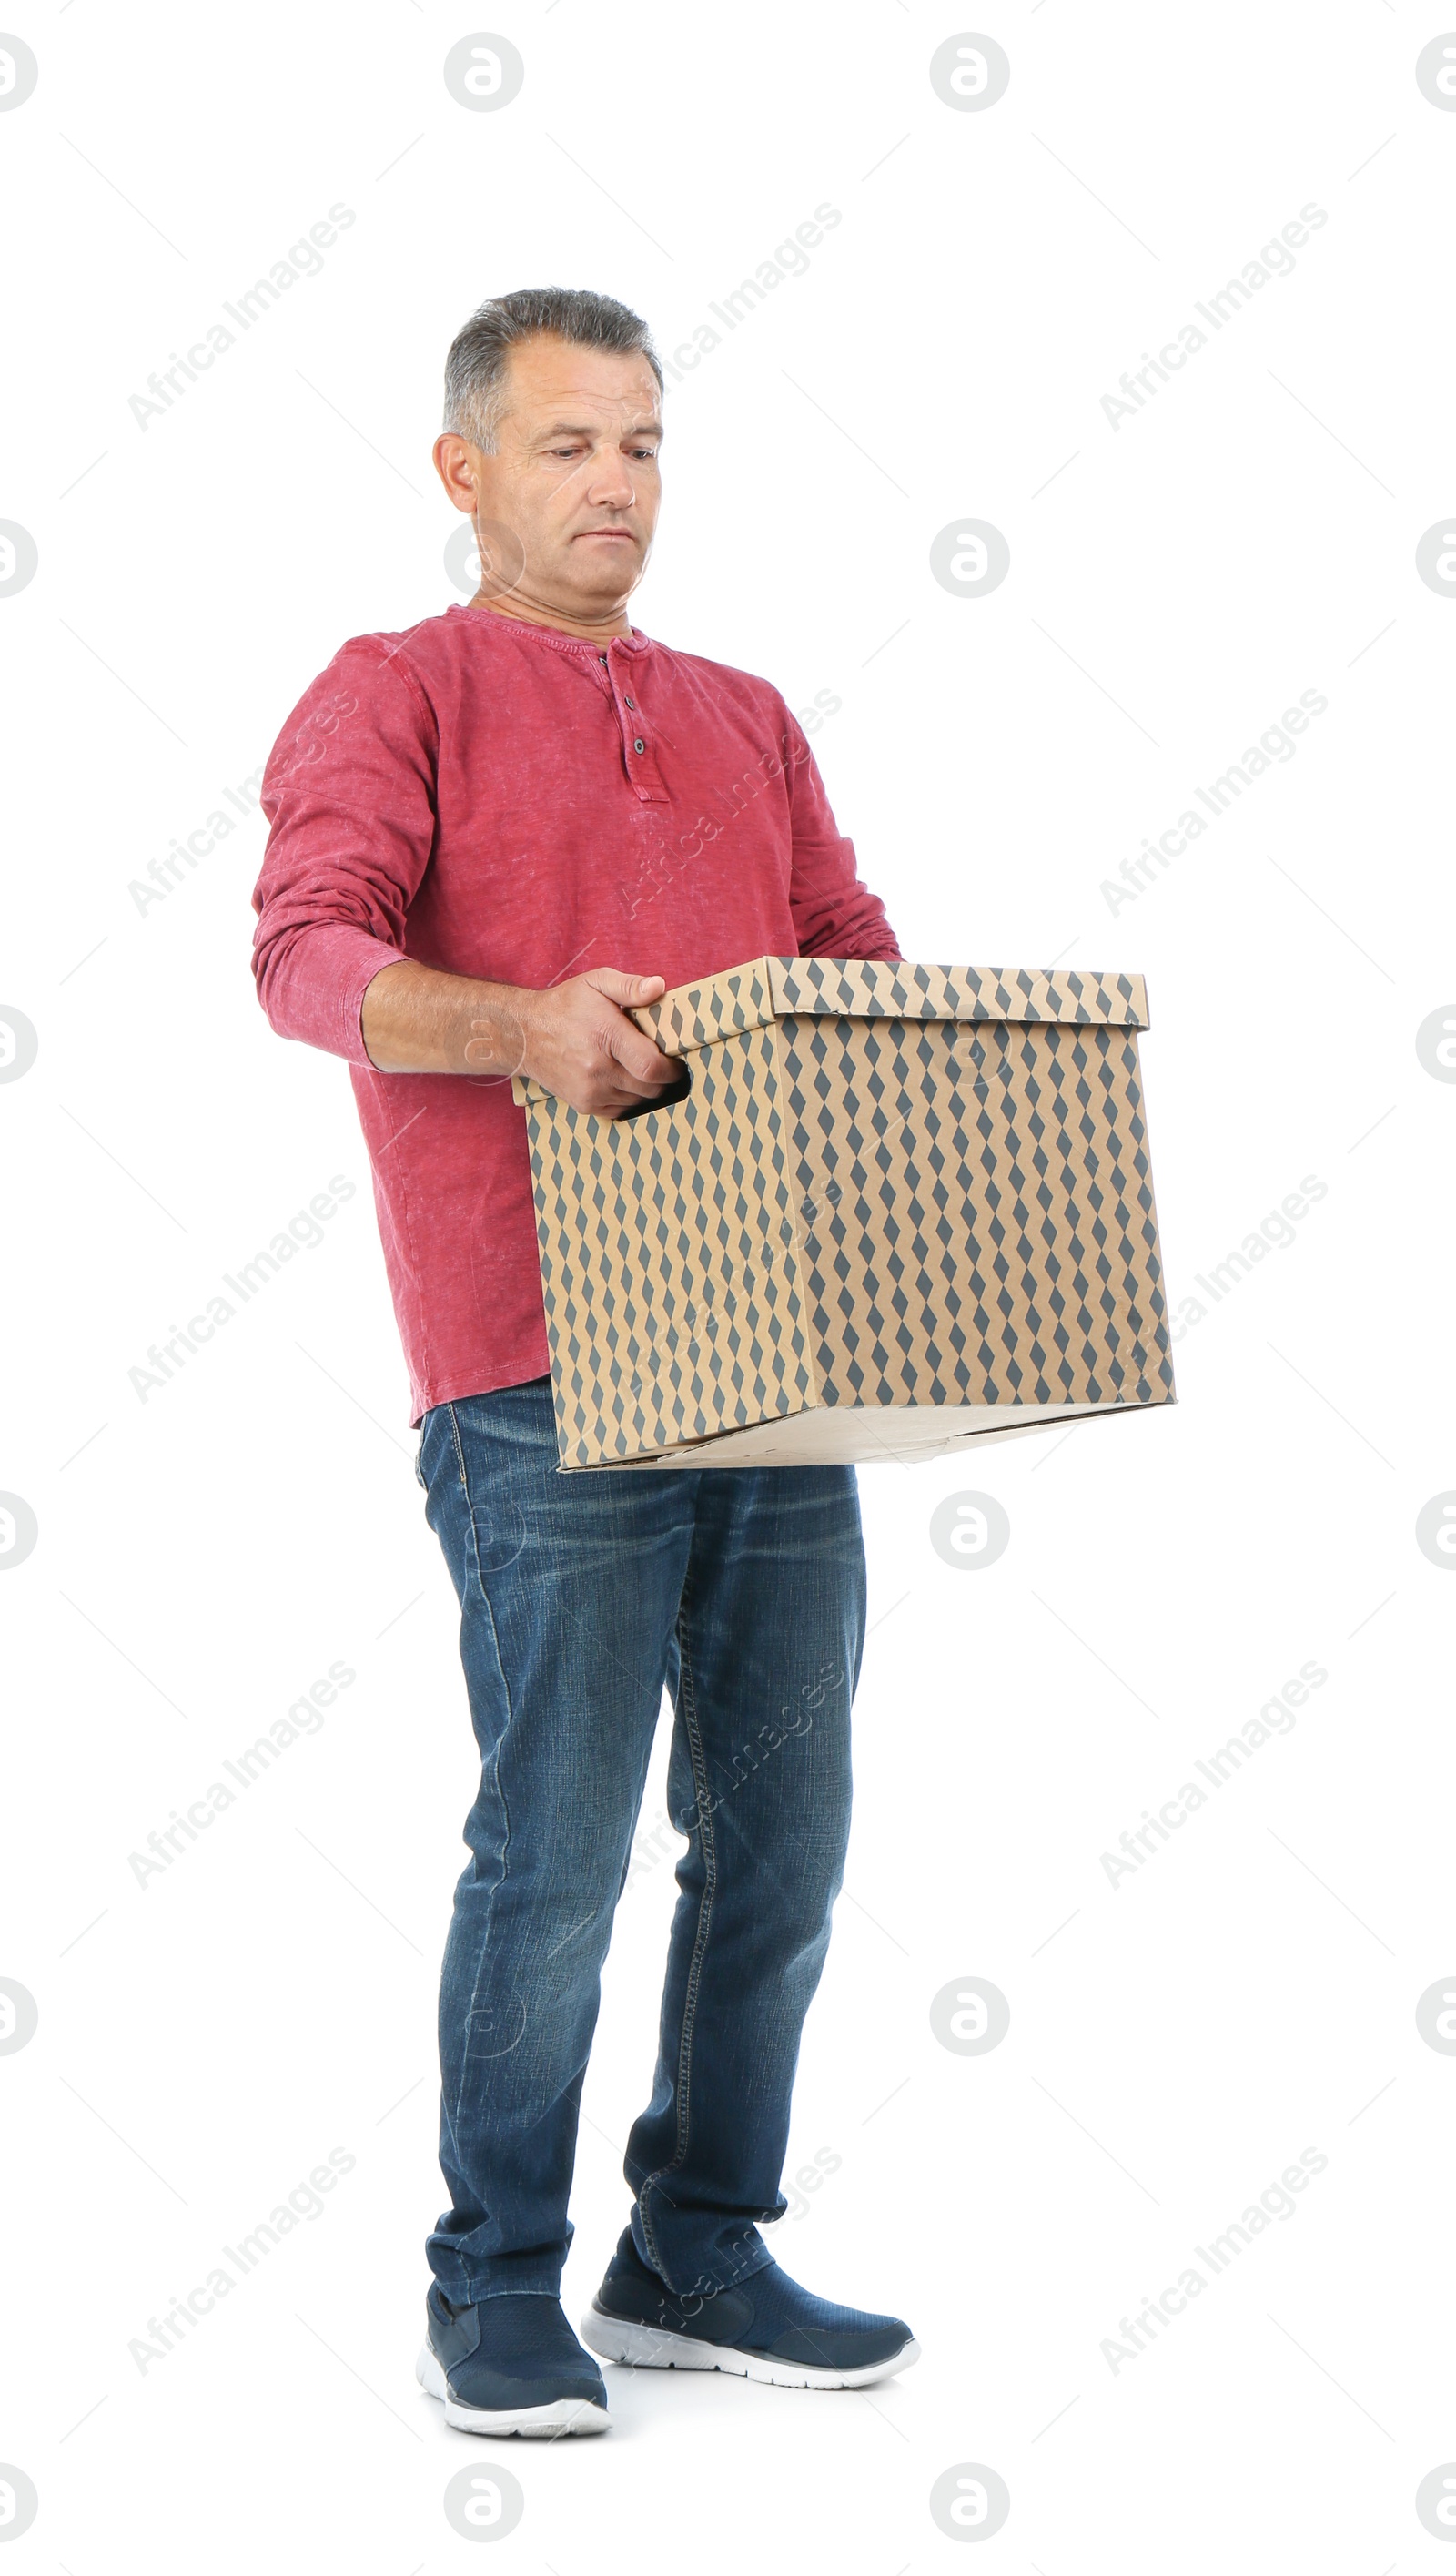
{"x": 493, "y": 835}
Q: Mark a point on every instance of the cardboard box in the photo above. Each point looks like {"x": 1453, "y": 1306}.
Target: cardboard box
{"x": 900, "y": 1209}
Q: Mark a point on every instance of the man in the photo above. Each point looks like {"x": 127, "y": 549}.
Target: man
{"x": 492, "y": 836}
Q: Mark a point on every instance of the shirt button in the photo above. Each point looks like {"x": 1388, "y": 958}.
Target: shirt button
{"x": 632, "y": 703}
{"x": 639, "y": 744}
{"x": 601, "y": 657}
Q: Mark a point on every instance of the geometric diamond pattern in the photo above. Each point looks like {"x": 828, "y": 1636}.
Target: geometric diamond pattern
{"x": 667, "y": 1260}
{"x": 976, "y": 1212}
{"x": 908, "y": 992}
{"x": 889, "y": 1184}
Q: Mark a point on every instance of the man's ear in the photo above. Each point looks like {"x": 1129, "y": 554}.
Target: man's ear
{"x": 454, "y": 459}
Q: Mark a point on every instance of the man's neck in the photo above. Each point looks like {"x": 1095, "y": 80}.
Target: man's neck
{"x": 530, "y": 612}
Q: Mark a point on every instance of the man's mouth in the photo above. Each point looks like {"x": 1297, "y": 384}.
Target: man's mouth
{"x": 618, "y": 536}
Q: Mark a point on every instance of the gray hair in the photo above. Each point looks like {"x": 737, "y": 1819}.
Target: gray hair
{"x": 475, "y": 369}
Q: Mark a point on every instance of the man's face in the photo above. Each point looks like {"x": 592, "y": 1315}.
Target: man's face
{"x": 575, "y": 480}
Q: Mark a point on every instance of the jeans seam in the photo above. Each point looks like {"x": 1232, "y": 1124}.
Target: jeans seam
{"x": 489, "y": 1609}
{"x": 459, "y": 1454}
{"x": 705, "y": 1915}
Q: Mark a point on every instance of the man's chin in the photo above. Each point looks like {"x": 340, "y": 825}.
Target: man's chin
{"x": 601, "y": 577}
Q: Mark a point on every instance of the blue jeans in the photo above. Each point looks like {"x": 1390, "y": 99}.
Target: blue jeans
{"x": 741, "y": 1590}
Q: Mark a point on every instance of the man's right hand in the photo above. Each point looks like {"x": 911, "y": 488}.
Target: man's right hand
{"x": 580, "y": 1044}
{"x": 574, "y": 1038}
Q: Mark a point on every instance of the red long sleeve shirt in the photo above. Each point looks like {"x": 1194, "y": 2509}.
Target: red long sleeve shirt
{"x": 501, "y": 800}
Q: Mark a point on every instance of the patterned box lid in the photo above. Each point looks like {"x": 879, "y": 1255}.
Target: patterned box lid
{"x": 769, "y": 988}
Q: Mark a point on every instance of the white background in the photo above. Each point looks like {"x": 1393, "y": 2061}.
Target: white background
{"x": 1176, "y": 2039}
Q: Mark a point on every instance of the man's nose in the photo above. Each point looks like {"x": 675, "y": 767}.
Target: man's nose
{"x": 611, "y": 485}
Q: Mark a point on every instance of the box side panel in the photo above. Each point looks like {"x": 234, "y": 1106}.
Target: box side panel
{"x": 976, "y": 1212}
{"x": 867, "y": 988}
{"x": 668, "y": 1265}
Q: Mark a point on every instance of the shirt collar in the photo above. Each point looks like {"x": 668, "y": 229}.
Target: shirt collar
{"x": 635, "y": 643}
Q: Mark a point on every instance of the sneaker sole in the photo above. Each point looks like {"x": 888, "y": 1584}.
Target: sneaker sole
{"x": 563, "y": 2415}
{"x": 657, "y": 2348}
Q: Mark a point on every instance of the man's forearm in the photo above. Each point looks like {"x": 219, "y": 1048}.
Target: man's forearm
{"x": 417, "y": 1019}
{"x": 575, "y": 1038}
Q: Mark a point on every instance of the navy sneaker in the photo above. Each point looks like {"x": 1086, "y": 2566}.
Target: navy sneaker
{"x": 510, "y": 2365}
{"x": 764, "y": 2328}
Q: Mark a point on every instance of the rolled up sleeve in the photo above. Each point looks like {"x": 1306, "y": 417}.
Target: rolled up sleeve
{"x": 835, "y": 913}
{"x": 349, "y": 793}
